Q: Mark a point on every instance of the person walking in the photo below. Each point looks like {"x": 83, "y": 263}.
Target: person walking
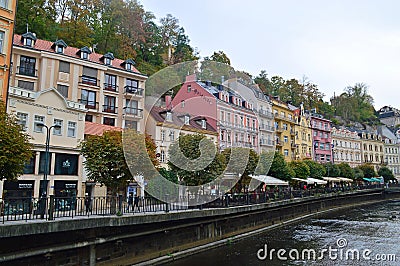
{"x": 130, "y": 202}
{"x": 136, "y": 203}
{"x": 87, "y": 203}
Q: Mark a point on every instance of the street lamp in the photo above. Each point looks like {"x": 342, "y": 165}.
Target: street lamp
{"x": 46, "y": 156}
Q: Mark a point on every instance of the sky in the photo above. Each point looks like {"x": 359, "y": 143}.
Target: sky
{"x": 334, "y": 44}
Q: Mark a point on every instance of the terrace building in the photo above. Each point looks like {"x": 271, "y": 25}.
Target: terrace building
{"x": 346, "y": 146}
{"x": 303, "y": 134}
{"x": 371, "y": 148}
{"x": 322, "y": 139}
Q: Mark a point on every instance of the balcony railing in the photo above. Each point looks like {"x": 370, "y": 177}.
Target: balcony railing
{"x": 27, "y": 71}
{"x": 89, "y": 104}
{"x": 136, "y": 112}
{"x": 110, "y": 109}
{"x": 133, "y": 90}
{"x": 265, "y": 113}
{"x": 265, "y": 127}
{"x": 87, "y": 80}
{"x": 110, "y": 87}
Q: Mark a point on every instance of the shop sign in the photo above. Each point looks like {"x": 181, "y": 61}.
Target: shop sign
{"x": 24, "y": 186}
{"x": 70, "y": 186}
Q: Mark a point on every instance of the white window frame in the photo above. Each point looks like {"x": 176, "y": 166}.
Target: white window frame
{"x": 23, "y": 122}
{"x": 69, "y": 126}
{"x": 2, "y": 41}
{"x": 55, "y": 131}
{"x": 35, "y": 121}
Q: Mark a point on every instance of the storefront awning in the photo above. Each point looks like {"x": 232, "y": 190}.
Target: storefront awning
{"x": 269, "y": 180}
{"x": 331, "y": 179}
{"x": 311, "y": 181}
{"x": 344, "y": 179}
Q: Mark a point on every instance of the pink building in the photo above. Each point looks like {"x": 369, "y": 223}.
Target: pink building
{"x": 225, "y": 110}
{"x": 322, "y": 139}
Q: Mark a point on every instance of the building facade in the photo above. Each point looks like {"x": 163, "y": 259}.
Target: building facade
{"x": 64, "y": 162}
{"x": 371, "y": 148}
{"x": 322, "y": 139}
{"x": 231, "y": 115}
{"x": 346, "y": 147}
{"x": 391, "y": 150}
{"x": 389, "y": 116}
{"x": 7, "y": 17}
{"x": 166, "y": 125}
{"x": 303, "y": 134}
{"x": 284, "y": 129}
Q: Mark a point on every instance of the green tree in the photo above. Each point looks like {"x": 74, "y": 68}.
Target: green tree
{"x": 250, "y": 167}
{"x": 15, "y": 149}
{"x": 316, "y": 170}
{"x": 386, "y": 173}
{"x": 368, "y": 170}
{"x": 194, "y": 165}
{"x": 263, "y": 82}
{"x": 332, "y": 169}
{"x": 301, "y": 169}
{"x": 346, "y": 171}
{"x": 358, "y": 173}
{"x": 280, "y": 169}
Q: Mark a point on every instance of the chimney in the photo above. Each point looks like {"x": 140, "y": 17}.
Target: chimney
{"x": 192, "y": 77}
{"x": 168, "y": 100}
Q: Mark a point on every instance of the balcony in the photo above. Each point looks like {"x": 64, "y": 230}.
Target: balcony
{"x": 279, "y": 129}
{"x": 110, "y": 87}
{"x": 89, "y": 104}
{"x": 133, "y": 112}
{"x": 265, "y": 113}
{"x": 266, "y": 128}
{"x": 27, "y": 71}
{"x": 130, "y": 90}
{"x": 279, "y": 143}
{"x": 87, "y": 80}
{"x": 266, "y": 142}
{"x": 110, "y": 109}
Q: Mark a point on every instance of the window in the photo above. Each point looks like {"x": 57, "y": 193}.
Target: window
{"x": 60, "y": 49}
{"x": 89, "y": 76}
{"x": 315, "y": 133}
{"x": 27, "y": 66}
{"x": 23, "y": 120}
{"x": 285, "y": 139}
{"x": 63, "y": 67}
{"x": 110, "y": 82}
{"x": 327, "y": 146}
{"x": 162, "y": 156}
{"x": 71, "y": 129}
{"x": 321, "y": 146}
{"x": 132, "y": 86}
{"x": 128, "y": 66}
{"x": 29, "y": 167}
{"x": 168, "y": 117}
{"x": 109, "y": 104}
{"x": 171, "y": 135}
{"x": 66, "y": 164}
{"x": 162, "y": 135}
{"x": 58, "y": 131}
{"x": 88, "y": 98}
{"x": 42, "y": 162}
{"x": 109, "y": 121}
{"x": 89, "y": 118}
{"x": 187, "y": 119}
{"x": 1, "y": 39}
{"x": 38, "y": 119}
{"x": 63, "y": 90}
{"x": 182, "y": 104}
{"x": 286, "y": 152}
{"x": 131, "y": 107}
{"x": 189, "y": 88}
{"x": 4, "y": 4}
{"x": 107, "y": 61}
{"x": 285, "y": 126}
{"x": 131, "y": 124}
{"x": 84, "y": 55}
{"x": 203, "y": 124}
{"x": 28, "y": 42}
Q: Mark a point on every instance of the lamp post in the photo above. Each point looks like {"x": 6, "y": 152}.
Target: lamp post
{"x": 44, "y": 186}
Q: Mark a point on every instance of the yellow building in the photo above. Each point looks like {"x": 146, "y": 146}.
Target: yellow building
{"x": 284, "y": 129}
{"x": 7, "y": 15}
{"x": 303, "y": 134}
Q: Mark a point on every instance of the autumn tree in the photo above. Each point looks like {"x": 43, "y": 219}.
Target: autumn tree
{"x": 15, "y": 149}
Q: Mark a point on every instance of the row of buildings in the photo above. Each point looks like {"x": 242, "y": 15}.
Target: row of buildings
{"x": 85, "y": 93}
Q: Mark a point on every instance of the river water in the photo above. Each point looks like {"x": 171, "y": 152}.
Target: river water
{"x": 372, "y": 232}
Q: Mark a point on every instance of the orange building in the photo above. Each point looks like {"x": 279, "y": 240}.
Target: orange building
{"x": 7, "y": 16}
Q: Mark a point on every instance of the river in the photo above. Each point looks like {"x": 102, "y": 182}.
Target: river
{"x": 367, "y": 235}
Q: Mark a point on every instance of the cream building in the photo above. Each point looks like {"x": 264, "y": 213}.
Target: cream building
{"x": 391, "y": 150}
{"x": 346, "y": 146}
{"x": 49, "y": 107}
{"x": 166, "y": 125}
{"x": 371, "y": 148}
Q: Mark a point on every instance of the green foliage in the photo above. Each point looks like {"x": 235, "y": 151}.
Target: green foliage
{"x": 332, "y": 170}
{"x": 193, "y": 158}
{"x": 169, "y": 175}
{"x": 15, "y": 149}
{"x": 368, "y": 170}
{"x": 316, "y": 170}
{"x": 300, "y": 168}
{"x": 358, "y": 173}
{"x": 346, "y": 171}
{"x": 386, "y": 173}
{"x": 280, "y": 169}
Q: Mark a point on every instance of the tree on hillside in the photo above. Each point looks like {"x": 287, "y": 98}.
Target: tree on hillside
{"x": 316, "y": 170}
{"x": 15, "y": 149}
{"x": 280, "y": 169}
{"x": 301, "y": 169}
{"x": 368, "y": 170}
{"x": 346, "y": 171}
{"x": 250, "y": 167}
{"x": 386, "y": 173}
{"x": 263, "y": 82}
{"x": 195, "y": 166}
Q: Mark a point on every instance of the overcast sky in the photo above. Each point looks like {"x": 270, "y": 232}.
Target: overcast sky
{"x": 334, "y": 44}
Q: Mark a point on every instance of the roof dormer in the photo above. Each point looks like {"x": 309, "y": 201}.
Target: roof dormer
{"x": 186, "y": 119}
{"x": 29, "y": 39}
{"x": 59, "y": 46}
{"x": 84, "y": 53}
{"x": 128, "y": 64}
{"x": 107, "y": 58}
{"x": 168, "y": 116}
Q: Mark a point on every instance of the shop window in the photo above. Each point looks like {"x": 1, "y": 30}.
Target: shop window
{"x": 29, "y": 167}
{"x": 66, "y": 164}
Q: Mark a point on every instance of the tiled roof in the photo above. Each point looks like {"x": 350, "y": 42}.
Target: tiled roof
{"x": 98, "y": 129}
{"x": 157, "y": 113}
{"x": 47, "y": 46}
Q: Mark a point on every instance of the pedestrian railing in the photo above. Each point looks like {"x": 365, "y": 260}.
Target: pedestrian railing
{"x": 51, "y": 208}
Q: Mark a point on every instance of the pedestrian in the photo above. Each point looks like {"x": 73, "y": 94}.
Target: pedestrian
{"x": 136, "y": 202}
{"x": 130, "y": 202}
{"x": 87, "y": 203}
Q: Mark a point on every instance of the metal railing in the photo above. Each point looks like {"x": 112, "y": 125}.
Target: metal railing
{"x": 51, "y": 208}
